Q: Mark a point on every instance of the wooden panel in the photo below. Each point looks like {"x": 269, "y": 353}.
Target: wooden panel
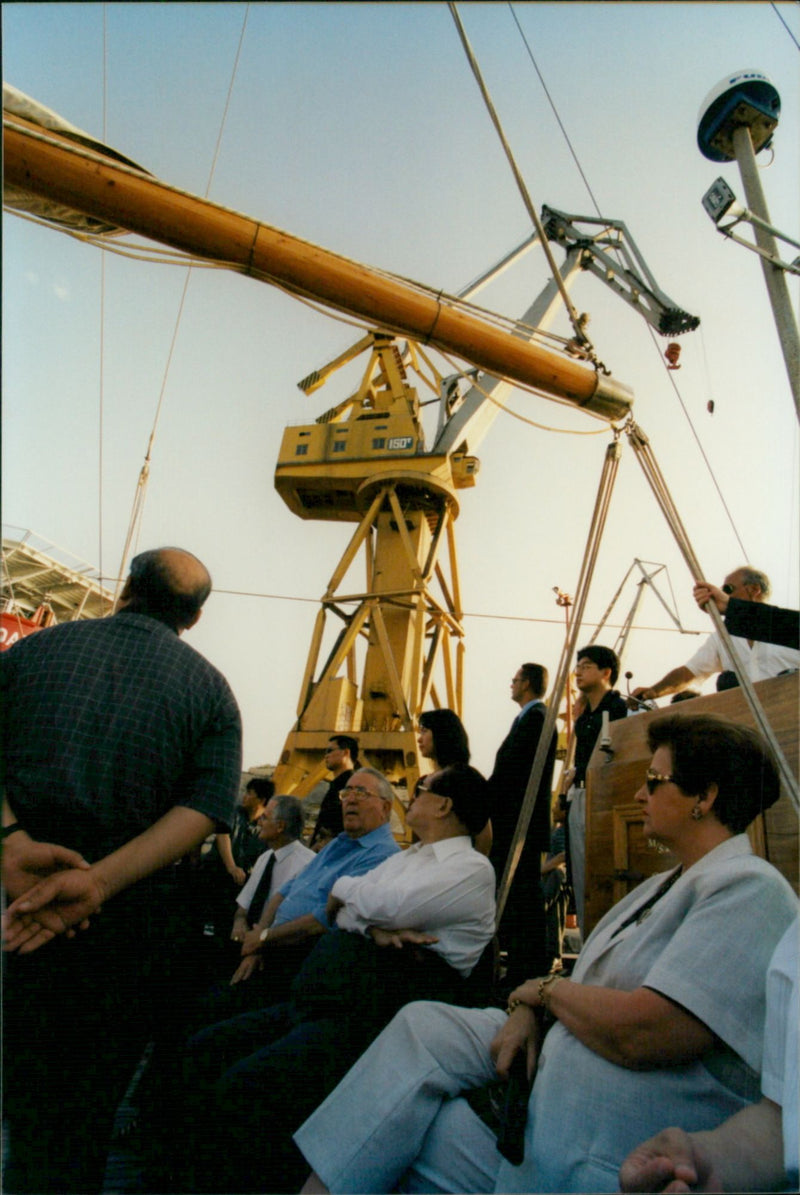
{"x": 615, "y": 844}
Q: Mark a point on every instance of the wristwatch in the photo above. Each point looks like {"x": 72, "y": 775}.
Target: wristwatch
{"x": 262, "y": 937}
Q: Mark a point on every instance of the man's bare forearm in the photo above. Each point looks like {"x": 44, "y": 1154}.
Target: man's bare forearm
{"x": 673, "y": 682}
{"x": 168, "y": 839}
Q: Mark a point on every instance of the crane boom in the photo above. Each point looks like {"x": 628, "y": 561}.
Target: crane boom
{"x": 50, "y": 165}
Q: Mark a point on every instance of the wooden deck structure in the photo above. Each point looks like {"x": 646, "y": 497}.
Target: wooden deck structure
{"x": 618, "y": 856}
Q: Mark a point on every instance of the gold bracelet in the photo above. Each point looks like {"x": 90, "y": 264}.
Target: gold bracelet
{"x": 543, "y": 983}
{"x": 512, "y": 1004}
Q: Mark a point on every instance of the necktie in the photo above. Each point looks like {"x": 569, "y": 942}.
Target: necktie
{"x": 262, "y": 892}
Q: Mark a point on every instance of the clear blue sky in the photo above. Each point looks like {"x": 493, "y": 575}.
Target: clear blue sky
{"x": 359, "y": 126}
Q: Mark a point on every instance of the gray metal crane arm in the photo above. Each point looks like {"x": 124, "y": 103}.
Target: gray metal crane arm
{"x": 613, "y": 256}
{"x": 609, "y": 252}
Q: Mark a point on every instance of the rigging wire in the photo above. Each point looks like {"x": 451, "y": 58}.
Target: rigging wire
{"x": 670, "y": 374}
{"x": 476, "y": 614}
{"x": 144, "y": 474}
{"x": 775, "y": 9}
{"x": 578, "y": 326}
{"x": 711, "y": 473}
{"x": 560, "y": 122}
{"x": 155, "y": 255}
{"x": 564, "y": 431}
{"x": 173, "y": 257}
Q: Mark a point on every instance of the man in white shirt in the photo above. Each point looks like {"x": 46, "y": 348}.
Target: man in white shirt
{"x": 430, "y": 907}
{"x": 280, "y": 827}
{"x": 761, "y": 660}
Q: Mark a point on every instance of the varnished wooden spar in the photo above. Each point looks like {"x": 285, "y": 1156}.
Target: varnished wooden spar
{"x": 617, "y": 854}
{"x": 52, "y": 167}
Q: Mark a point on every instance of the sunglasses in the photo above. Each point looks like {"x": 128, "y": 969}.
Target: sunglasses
{"x": 653, "y": 779}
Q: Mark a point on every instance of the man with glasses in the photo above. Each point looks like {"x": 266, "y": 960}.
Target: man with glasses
{"x": 761, "y": 660}
{"x": 295, "y": 916}
{"x": 596, "y": 672}
{"x": 431, "y": 907}
{"x": 341, "y": 760}
{"x": 284, "y": 856}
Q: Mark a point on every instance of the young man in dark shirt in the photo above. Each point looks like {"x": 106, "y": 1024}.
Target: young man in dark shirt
{"x": 341, "y": 760}
{"x": 596, "y": 671}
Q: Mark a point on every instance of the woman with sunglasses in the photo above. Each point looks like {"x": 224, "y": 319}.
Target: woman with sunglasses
{"x": 661, "y": 1022}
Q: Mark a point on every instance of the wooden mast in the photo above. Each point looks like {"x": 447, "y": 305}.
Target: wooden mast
{"x": 50, "y": 166}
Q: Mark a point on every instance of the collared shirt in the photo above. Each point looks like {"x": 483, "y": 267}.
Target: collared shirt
{"x": 289, "y": 862}
{"x": 308, "y": 892}
{"x": 588, "y": 726}
{"x": 108, "y": 724}
{"x": 527, "y": 706}
{"x": 761, "y": 661}
{"x": 444, "y": 888}
{"x": 706, "y": 946}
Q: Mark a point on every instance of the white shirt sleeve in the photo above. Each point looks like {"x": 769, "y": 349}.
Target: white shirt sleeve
{"x": 428, "y": 892}
{"x": 707, "y": 659}
{"x": 248, "y": 889}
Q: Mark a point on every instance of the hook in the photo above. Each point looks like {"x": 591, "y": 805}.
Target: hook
{"x": 672, "y": 353}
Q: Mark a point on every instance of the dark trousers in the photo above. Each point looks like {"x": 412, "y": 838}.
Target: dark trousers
{"x": 77, "y": 1015}
{"x": 67, "y": 1062}
{"x": 250, "y": 1082}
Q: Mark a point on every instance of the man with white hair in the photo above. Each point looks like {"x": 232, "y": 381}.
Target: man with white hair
{"x": 761, "y": 660}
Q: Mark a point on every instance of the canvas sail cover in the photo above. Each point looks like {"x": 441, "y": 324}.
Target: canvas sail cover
{"x": 16, "y": 103}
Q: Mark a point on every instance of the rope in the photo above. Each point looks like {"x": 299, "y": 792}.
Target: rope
{"x": 706, "y": 461}
{"x": 774, "y": 8}
{"x": 555, "y": 111}
{"x": 580, "y": 334}
{"x": 137, "y": 512}
{"x": 653, "y": 338}
{"x": 646, "y": 458}
{"x": 607, "y": 479}
{"x": 564, "y": 431}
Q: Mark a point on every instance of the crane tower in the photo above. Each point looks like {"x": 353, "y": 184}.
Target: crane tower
{"x": 364, "y": 462}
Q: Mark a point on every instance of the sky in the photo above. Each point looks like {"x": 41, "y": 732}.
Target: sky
{"x": 360, "y": 127}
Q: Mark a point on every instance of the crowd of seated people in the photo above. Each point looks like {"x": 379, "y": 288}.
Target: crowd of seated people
{"x": 363, "y": 1039}
{"x": 402, "y": 1068}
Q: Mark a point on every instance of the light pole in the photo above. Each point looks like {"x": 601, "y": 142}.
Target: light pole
{"x": 736, "y": 121}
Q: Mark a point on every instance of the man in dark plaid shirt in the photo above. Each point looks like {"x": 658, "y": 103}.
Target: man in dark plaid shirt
{"x": 122, "y": 747}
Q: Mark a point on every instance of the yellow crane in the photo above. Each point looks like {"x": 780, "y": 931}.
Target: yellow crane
{"x": 364, "y": 461}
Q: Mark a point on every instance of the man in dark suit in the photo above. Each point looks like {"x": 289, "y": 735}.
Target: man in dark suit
{"x": 522, "y": 929}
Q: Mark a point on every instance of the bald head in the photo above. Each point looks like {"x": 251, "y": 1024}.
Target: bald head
{"x": 169, "y": 584}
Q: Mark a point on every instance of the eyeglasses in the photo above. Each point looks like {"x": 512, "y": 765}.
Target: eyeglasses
{"x": 421, "y": 787}
{"x": 358, "y": 794}
{"x": 728, "y": 588}
{"x": 653, "y": 779}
